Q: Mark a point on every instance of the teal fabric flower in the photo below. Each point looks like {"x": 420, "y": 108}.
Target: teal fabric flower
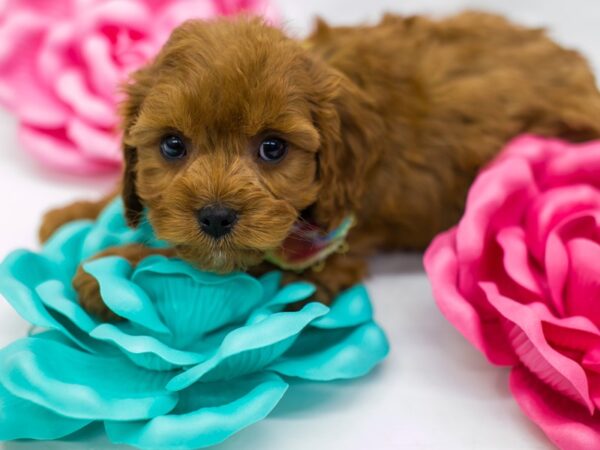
{"x": 199, "y": 357}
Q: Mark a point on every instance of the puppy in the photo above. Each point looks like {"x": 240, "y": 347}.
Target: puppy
{"x": 250, "y": 150}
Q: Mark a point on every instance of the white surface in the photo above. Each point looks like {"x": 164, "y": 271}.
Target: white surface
{"x": 434, "y": 391}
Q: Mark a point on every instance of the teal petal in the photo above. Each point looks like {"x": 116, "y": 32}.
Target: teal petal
{"x": 252, "y": 347}
{"x": 112, "y": 217}
{"x": 207, "y": 414}
{"x": 50, "y": 335}
{"x": 270, "y": 283}
{"x": 64, "y": 247}
{"x": 80, "y": 385}
{"x": 325, "y": 355}
{"x": 122, "y": 296}
{"x": 351, "y": 308}
{"x": 30, "y": 268}
{"x": 293, "y": 292}
{"x": 70, "y": 318}
{"x": 98, "y": 240}
{"x": 26, "y": 302}
{"x": 21, "y": 274}
{"x": 146, "y": 351}
{"x": 111, "y": 230}
{"x": 56, "y": 296}
{"x": 112, "y": 220}
{"x": 193, "y": 303}
{"x": 22, "y": 419}
{"x": 280, "y": 298}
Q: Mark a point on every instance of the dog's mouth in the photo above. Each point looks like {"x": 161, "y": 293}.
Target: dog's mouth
{"x": 220, "y": 261}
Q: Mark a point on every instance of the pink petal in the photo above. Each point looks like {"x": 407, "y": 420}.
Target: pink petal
{"x": 262, "y": 8}
{"x": 567, "y": 424}
{"x": 104, "y": 76}
{"x": 43, "y": 8}
{"x": 95, "y": 143}
{"x": 576, "y": 164}
{"x": 21, "y": 88}
{"x": 116, "y": 13}
{"x": 537, "y": 151}
{"x": 59, "y": 153}
{"x": 572, "y": 336}
{"x": 552, "y": 207}
{"x": 591, "y": 360}
{"x": 498, "y": 198}
{"x": 484, "y": 333}
{"x": 24, "y": 29}
{"x": 178, "y": 12}
{"x": 516, "y": 259}
{"x": 71, "y": 88}
{"x": 557, "y": 271}
{"x": 126, "y": 25}
{"x": 584, "y": 225}
{"x": 524, "y": 327}
{"x": 130, "y": 56}
{"x": 583, "y": 288}
{"x": 57, "y": 52}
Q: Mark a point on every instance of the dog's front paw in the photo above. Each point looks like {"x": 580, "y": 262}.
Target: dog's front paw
{"x": 88, "y": 292}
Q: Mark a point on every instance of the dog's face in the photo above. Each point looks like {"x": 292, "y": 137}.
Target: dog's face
{"x": 224, "y": 139}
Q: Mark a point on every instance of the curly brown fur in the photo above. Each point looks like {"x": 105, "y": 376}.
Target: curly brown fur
{"x": 390, "y": 122}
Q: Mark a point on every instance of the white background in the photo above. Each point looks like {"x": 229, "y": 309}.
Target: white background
{"x": 434, "y": 391}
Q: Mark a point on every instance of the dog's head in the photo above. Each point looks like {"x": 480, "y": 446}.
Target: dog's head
{"x": 233, "y": 133}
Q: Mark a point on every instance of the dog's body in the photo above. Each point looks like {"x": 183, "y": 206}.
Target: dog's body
{"x": 389, "y": 123}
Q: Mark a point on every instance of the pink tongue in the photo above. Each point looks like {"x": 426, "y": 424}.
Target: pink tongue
{"x": 302, "y": 244}
{"x": 307, "y": 245}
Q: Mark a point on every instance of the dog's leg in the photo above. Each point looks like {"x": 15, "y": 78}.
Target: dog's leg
{"x": 87, "y": 287}
{"x": 55, "y": 218}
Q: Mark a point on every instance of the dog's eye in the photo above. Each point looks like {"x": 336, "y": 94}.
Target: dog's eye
{"x": 172, "y": 147}
{"x": 272, "y": 149}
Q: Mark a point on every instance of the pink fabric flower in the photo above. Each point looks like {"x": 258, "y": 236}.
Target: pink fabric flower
{"x": 520, "y": 279}
{"x": 61, "y": 62}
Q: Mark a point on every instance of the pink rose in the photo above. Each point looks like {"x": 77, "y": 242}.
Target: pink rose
{"x": 520, "y": 279}
{"x": 61, "y": 62}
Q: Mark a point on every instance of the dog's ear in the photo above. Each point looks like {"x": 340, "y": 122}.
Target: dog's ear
{"x": 349, "y": 128}
{"x": 135, "y": 92}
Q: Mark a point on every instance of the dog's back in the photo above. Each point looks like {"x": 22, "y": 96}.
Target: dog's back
{"x": 451, "y": 94}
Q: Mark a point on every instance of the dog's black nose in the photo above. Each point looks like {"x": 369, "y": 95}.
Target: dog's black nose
{"x": 217, "y": 220}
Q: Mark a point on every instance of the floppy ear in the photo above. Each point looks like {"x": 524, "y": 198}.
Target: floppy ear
{"x": 135, "y": 92}
{"x": 350, "y": 129}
